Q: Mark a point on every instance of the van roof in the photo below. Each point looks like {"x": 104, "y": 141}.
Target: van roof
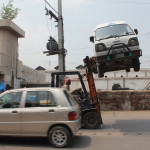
{"x": 110, "y": 23}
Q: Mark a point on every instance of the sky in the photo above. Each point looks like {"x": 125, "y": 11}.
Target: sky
{"x": 80, "y": 19}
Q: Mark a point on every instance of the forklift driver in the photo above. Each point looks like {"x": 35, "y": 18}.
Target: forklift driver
{"x": 67, "y": 83}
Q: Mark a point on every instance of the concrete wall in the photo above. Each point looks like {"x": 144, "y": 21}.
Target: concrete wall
{"x": 132, "y": 80}
{"x": 30, "y": 75}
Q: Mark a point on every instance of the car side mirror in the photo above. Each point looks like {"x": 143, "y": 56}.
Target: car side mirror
{"x": 92, "y": 39}
{"x": 136, "y": 31}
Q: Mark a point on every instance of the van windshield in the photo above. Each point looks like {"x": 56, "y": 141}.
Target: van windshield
{"x": 113, "y": 31}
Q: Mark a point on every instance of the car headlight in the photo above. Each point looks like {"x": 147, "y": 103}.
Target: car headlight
{"x": 133, "y": 42}
{"x": 100, "y": 47}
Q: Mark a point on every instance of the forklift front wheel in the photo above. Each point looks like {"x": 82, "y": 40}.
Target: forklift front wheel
{"x": 91, "y": 120}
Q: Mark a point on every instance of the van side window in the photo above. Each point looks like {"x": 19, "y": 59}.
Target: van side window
{"x": 40, "y": 99}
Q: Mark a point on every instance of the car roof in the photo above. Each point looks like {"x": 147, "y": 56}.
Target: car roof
{"x": 110, "y": 23}
{"x": 36, "y": 89}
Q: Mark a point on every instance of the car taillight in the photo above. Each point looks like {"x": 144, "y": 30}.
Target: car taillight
{"x": 72, "y": 115}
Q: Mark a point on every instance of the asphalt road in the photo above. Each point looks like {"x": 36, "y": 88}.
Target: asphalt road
{"x": 121, "y": 130}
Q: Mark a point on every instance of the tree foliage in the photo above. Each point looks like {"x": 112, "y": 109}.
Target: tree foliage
{"x": 8, "y": 11}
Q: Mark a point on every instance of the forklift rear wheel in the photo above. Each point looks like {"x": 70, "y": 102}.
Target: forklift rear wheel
{"x": 91, "y": 120}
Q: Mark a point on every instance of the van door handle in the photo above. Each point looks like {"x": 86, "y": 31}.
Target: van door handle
{"x": 51, "y": 110}
{"x": 14, "y": 112}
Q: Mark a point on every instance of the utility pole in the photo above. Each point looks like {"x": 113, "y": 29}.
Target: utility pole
{"x": 61, "y": 55}
{"x": 52, "y": 46}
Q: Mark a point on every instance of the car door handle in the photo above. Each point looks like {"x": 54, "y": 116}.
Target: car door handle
{"x": 51, "y": 110}
{"x": 14, "y": 112}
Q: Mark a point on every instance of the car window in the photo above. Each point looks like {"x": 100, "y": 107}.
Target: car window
{"x": 10, "y": 100}
{"x": 39, "y": 99}
{"x": 70, "y": 99}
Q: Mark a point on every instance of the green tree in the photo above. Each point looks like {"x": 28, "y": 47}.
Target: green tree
{"x": 8, "y": 11}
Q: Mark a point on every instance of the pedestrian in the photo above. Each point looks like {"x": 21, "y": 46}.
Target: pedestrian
{"x": 8, "y": 87}
{"x": 2, "y": 86}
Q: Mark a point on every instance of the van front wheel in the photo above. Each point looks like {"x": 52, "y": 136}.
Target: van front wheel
{"x": 136, "y": 64}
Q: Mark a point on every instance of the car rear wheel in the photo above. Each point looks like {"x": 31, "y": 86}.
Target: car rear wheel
{"x": 91, "y": 120}
{"x": 59, "y": 136}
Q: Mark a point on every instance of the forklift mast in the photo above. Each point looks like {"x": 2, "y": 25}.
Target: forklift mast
{"x": 91, "y": 84}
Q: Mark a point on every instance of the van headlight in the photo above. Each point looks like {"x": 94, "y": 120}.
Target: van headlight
{"x": 100, "y": 47}
{"x": 133, "y": 42}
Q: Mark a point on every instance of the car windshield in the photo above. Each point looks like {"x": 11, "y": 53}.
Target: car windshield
{"x": 113, "y": 31}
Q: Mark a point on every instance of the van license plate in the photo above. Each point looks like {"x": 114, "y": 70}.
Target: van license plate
{"x": 119, "y": 55}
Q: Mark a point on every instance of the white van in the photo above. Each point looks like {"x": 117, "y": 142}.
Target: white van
{"x": 116, "y": 47}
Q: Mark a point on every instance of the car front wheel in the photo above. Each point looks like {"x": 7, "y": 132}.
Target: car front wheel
{"x": 59, "y": 136}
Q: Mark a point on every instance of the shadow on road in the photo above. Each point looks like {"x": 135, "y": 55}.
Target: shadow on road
{"x": 81, "y": 142}
{"x": 24, "y": 142}
{"x": 78, "y": 142}
{"x": 132, "y": 126}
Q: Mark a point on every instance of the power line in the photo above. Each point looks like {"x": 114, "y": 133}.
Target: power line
{"x": 32, "y": 8}
{"x": 52, "y": 7}
{"x": 124, "y": 2}
{"x": 81, "y": 48}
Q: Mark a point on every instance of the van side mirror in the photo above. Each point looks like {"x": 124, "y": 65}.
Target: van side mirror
{"x": 136, "y": 31}
{"x": 92, "y": 39}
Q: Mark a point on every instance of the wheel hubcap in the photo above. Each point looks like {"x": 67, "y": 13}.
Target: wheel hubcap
{"x": 59, "y": 137}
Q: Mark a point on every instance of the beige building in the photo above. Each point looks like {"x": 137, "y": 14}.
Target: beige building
{"x": 12, "y": 68}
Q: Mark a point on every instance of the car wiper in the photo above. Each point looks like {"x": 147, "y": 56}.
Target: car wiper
{"x": 110, "y": 36}
{"x": 126, "y": 33}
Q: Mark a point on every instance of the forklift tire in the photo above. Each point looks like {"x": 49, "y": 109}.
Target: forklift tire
{"x": 91, "y": 120}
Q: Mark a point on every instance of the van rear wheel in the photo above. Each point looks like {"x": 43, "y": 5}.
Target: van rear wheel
{"x": 127, "y": 69}
{"x": 101, "y": 70}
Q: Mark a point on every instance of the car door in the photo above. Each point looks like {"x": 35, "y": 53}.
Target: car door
{"x": 39, "y": 113}
{"x": 10, "y": 113}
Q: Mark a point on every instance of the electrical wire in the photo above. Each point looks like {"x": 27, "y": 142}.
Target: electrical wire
{"x": 52, "y": 7}
{"x": 32, "y": 8}
{"x": 124, "y": 2}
